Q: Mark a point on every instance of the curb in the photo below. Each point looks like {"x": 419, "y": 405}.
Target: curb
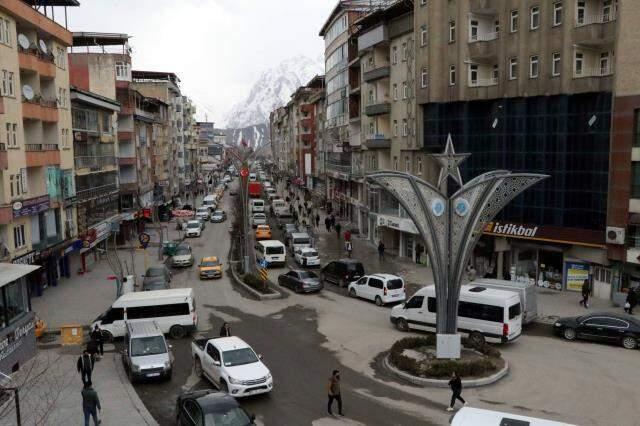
{"x": 133, "y": 396}
{"x": 255, "y": 293}
{"x": 436, "y": 383}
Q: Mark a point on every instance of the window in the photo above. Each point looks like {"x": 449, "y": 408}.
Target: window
{"x": 513, "y": 68}
{"x": 480, "y": 311}
{"x": 607, "y": 11}
{"x": 395, "y": 92}
{"x": 514, "y": 311}
{"x": 415, "y": 302}
{"x": 534, "y": 18}
{"x": 122, "y": 70}
{"x": 16, "y": 301}
{"x": 432, "y": 306}
{"x": 372, "y": 128}
{"x": 513, "y": 22}
{"x": 577, "y": 63}
{"x": 423, "y": 35}
{"x": 394, "y": 55}
{"x": 372, "y": 97}
{"x": 12, "y": 134}
{"x": 604, "y": 63}
{"x": 423, "y": 2}
{"x": 375, "y": 283}
{"x": 5, "y": 31}
{"x": 395, "y": 127}
{"x": 419, "y": 171}
{"x": 424, "y": 77}
{"x": 496, "y": 27}
{"x": 555, "y": 64}
{"x": 395, "y": 163}
{"x": 452, "y": 75}
{"x": 473, "y": 74}
{"x": 580, "y": 13}
{"x": 61, "y": 57}
{"x": 404, "y": 52}
{"x": 452, "y": 31}
{"x": 533, "y": 66}
{"x": 7, "y": 87}
{"x": 473, "y": 30}
{"x": 557, "y": 13}
{"x": 405, "y": 90}
{"x": 64, "y": 138}
{"x": 19, "y": 237}
{"x": 405, "y": 129}
{"x": 62, "y": 97}
{"x": 407, "y": 165}
{"x": 495, "y": 74}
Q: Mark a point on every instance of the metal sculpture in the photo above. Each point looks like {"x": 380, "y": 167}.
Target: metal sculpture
{"x": 450, "y": 226}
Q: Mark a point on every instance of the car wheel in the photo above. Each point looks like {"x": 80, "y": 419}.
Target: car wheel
{"x": 402, "y": 324}
{"x": 107, "y": 336}
{"x": 177, "y": 332}
{"x": 342, "y": 283}
{"x": 629, "y": 342}
{"x": 477, "y": 339}
{"x": 298, "y": 289}
{"x": 569, "y": 333}
{"x": 379, "y": 301}
{"x": 224, "y": 388}
{"x": 352, "y": 293}
{"x": 197, "y": 366}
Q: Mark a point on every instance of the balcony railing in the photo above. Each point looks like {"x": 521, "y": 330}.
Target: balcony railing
{"x": 47, "y": 242}
{"x": 41, "y": 147}
{"x": 484, "y": 37}
{"x": 483, "y": 82}
{"x": 337, "y": 167}
{"x": 595, "y": 19}
{"x": 94, "y": 162}
{"x": 594, "y": 72}
{"x": 88, "y": 194}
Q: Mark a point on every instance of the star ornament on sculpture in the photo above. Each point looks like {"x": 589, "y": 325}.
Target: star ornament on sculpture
{"x": 449, "y": 163}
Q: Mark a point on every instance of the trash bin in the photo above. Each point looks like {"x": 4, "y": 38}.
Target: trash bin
{"x": 169, "y": 248}
{"x": 71, "y": 334}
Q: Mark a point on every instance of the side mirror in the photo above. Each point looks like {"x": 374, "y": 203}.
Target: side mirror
{"x": 217, "y": 363}
{"x": 260, "y": 356}
{"x": 170, "y": 347}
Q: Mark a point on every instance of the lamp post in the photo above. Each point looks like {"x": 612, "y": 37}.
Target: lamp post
{"x": 450, "y": 226}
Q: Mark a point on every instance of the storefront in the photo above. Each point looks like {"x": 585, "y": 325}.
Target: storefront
{"x": 17, "y": 321}
{"x": 551, "y": 257}
{"x": 95, "y": 238}
{"x": 399, "y": 235}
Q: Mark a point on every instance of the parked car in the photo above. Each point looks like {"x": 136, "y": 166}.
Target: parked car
{"x": 210, "y": 267}
{"x": 380, "y": 288}
{"x": 218, "y": 216}
{"x": 342, "y": 272}
{"x": 146, "y": 353}
{"x": 232, "y": 365}
{"x": 300, "y": 281}
{"x": 203, "y": 222}
{"x": 306, "y": 256}
{"x": 263, "y": 232}
{"x": 156, "y": 278}
{"x": 210, "y": 407}
{"x": 284, "y": 219}
{"x": 258, "y": 219}
{"x": 606, "y": 327}
{"x": 203, "y": 213}
{"x": 233, "y": 192}
{"x": 194, "y": 228}
{"x": 182, "y": 257}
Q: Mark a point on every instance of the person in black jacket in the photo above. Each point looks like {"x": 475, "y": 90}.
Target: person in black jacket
{"x": 85, "y": 366}
{"x": 585, "y": 294}
{"x": 456, "y": 390}
{"x": 90, "y": 404}
{"x": 632, "y": 300}
{"x": 225, "y": 330}
{"x": 96, "y": 336}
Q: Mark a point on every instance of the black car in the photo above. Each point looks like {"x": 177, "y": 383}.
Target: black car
{"x": 156, "y": 278}
{"x": 607, "y": 327}
{"x": 300, "y": 281}
{"x": 210, "y": 407}
{"x": 342, "y": 272}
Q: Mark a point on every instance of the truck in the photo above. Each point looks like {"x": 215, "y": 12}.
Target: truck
{"x": 232, "y": 365}
{"x": 255, "y": 189}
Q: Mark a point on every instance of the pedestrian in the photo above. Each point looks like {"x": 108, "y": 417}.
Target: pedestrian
{"x": 333, "y": 220}
{"x": 348, "y": 248}
{"x": 287, "y": 199}
{"x": 418, "y": 252}
{"x": 381, "y": 250}
{"x": 456, "y": 390}
{"x": 96, "y": 336}
{"x": 318, "y": 221}
{"x": 299, "y": 208}
{"x": 347, "y": 235}
{"x": 632, "y": 300}
{"x": 291, "y": 208}
{"x": 327, "y": 223}
{"x": 333, "y": 389}
{"x": 85, "y": 366}
{"x": 585, "y": 294}
{"x": 90, "y": 404}
{"x": 338, "y": 227}
{"x": 225, "y": 330}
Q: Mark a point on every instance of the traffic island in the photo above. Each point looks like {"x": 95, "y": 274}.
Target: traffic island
{"x": 256, "y": 287}
{"x": 414, "y": 359}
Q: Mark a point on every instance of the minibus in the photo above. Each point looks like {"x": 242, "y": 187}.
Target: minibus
{"x": 526, "y": 290}
{"x": 273, "y": 251}
{"x": 467, "y": 416}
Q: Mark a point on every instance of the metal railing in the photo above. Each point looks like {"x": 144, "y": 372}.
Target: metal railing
{"x": 484, "y": 36}
{"x": 595, "y": 19}
{"x": 87, "y": 194}
{"x": 94, "y": 161}
{"x": 337, "y": 167}
{"x": 483, "y": 82}
{"x": 41, "y": 147}
{"x": 593, "y": 72}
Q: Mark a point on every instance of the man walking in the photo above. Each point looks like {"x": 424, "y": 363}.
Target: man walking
{"x": 585, "y": 294}
{"x": 381, "y": 250}
{"x": 318, "y": 221}
{"x": 456, "y": 390}
{"x": 334, "y": 392}
{"x": 347, "y": 235}
{"x": 225, "y": 330}
{"x": 632, "y": 300}
{"x": 85, "y": 366}
{"x": 96, "y": 336}
{"x": 348, "y": 247}
{"x": 90, "y": 404}
{"x": 418, "y": 252}
{"x": 327, "y": 223}
{"x": 337, "y": 227}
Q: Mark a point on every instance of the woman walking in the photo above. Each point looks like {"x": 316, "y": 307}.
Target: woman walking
{"x": 456, "y": 390}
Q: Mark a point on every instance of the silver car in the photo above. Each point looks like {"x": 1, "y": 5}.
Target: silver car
{"x": 146, "y": 353}
{"x": 182, "y": 257}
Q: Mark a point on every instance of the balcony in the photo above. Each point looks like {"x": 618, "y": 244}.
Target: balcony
{"x": 306, "y": 122}
{"x": 125, "y": 136}
{"x": 378, "y": 142}
{"x": 483, "y": 7}
{"x": 129, "y": 187}
{"x": 483, "y": 82}
{"x": 338, "y": 167}
{"x": 95, "y": 192}
{"x": 40, "y": 109}
{"x": 378, "y": 108}
{"x": 595, "y": 32}
{"x": 95, "y": 163}
{"x": 4, "y": 160}
{"x": 127, "y": 161}
{"x": 377, "y": 73}
{"x": 483, "y": 46}
{"x": 35, "y": 61}
{"x": 42, "y": 155}
{"x": 306, "y": 108}
{"x": 47, "y": 242}
{"x": 306, "y": 138}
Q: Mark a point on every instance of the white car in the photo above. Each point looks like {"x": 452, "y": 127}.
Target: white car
{"x": 380, "y": 288}
{"x": 194, "y": 229}
{"x": 203, "y": 213}
{"x": 306, "y": 256}
{"x": 258, "y": 219}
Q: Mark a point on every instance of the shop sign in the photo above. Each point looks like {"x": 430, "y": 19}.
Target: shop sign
{"x": 575, "y": 273}
{"x": 163, "y": 183}
{"x": 31, "y": 206}
{"x": 401, "y": 224}
{"x": 27, "y": 259}
{"x": 510, "y": 229}
{"x": 12, "y": 341}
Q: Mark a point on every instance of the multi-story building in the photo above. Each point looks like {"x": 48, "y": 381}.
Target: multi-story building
{"x": 37, "y": 197}
{"x": 545, "y": 87}
{"x": 280, "y": 129}
{"x": 190, "y": 135}
{"x": 206, "y": 162}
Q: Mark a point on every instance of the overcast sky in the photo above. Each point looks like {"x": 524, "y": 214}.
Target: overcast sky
{"x": 217, "y": 47}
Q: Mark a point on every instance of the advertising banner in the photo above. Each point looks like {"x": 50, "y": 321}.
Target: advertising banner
{"x": 575, "y": 274}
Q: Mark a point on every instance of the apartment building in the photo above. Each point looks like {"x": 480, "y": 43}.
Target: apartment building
{"x": 280, "y": 130}
{"x": 190, "y": 135}
{"x": 37, "y": 195}
{"x": 206, "y": 160}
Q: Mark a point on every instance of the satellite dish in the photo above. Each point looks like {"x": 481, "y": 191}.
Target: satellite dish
{"x": 43, "y": 46}
{"x": 23, "y": 41}
{"x": 27, "y": 92}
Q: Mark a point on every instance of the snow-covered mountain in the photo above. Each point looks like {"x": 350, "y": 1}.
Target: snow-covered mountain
{"x": 273, "y": 89}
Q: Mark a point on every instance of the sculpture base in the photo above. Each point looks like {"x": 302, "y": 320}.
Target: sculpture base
{"x": 448, "y": 346}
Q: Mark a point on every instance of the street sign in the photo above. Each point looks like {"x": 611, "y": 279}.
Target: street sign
{"x": 144, "y": 239}
{"x": 264, "y": 263}
{"x": 244, "y": 172}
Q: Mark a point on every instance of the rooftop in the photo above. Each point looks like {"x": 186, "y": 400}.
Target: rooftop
{"x": 99, "y": 39}
{"x": 10, "y": 272}
{"x": 39, "y": 3}
{"x": 138, "y": 75}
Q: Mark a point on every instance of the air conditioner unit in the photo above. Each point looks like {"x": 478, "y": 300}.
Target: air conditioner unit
{"x": 615, "y": 235}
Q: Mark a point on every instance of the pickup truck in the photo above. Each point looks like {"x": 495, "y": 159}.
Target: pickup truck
{"x": 232, "y": 365}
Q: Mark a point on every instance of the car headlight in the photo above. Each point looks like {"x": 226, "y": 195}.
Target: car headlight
{"x": 268, "y": 377}
{"x": 135, "y": 368}
{"x": 234, "y": 381}
{"x": 167, "y": 365}
{"x": 557, "y": 324}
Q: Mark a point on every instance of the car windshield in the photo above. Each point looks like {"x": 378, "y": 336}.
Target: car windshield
{"x": 275, "y": 250}
{"x": 208, "y": 263}
{"x": 218, "y": 212}
{"x": 182, "y": 251}
{"x": 239, "y": 357}
{"x": 236, "y": 416}
{"x": 311, "y": 253}
{"x": 155, "y": 272}
{"x": 193, "y": 225}
{"x": 148, "y": 346}
{"x": 203, "y": 209}
{"x": 355, "y": 267}
{"x": 306, "y": 275}
{"x": 394, "y": 284}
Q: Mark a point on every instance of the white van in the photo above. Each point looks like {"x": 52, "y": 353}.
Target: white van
{"x": 257, "y": 205}
{"x": 210, "y": 201}
{"x": 484, "y": 314}
{"x": 299, "y": 240}
{"x": 526, "y": 291}
{"x": 467, "y": 416}
{"x": 273, "y": 251}
{"x": 173, "y": 310}
{"x": 279, "y": 206}
{"x": 146, "y": 353}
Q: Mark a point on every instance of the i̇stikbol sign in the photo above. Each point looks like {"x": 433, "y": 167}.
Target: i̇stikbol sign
{"x": 510, "y": 229}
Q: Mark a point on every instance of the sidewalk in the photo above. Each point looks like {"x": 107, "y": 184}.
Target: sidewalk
{"x": 50, "y": 392}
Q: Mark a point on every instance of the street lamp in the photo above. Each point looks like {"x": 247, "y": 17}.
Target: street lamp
{"x": 450, "y": 226}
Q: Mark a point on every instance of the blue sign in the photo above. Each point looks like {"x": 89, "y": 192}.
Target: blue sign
{"x": 263, "y": 263}
{"x": 144, "y": 239}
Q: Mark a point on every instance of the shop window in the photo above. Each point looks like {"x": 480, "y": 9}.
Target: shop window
{"x": 15, "y": 301}
{"x": 635, "y": 179}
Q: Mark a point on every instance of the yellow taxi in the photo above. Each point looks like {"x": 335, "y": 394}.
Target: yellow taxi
{"x": 263, "y": 232}
{"x": 210, "y": 267}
